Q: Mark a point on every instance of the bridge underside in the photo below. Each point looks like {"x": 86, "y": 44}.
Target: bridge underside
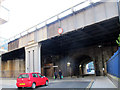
{"x": 16, "y": 54}
{"x": 77, "y": 45}
{"x": 96, "y": 34}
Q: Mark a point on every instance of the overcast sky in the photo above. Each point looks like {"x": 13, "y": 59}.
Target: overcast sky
{"x": 24, "y": 14}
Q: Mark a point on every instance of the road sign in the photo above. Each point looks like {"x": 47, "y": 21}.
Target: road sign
{"x": 60, "y": 30}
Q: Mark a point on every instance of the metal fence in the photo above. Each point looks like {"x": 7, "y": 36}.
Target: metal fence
{"x": 113, "y": 64}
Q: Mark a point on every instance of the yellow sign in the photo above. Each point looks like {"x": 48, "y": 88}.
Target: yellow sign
{"x": 22, "y": 84}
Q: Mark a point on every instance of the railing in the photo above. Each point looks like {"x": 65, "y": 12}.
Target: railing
{"x": 60, "y": 15}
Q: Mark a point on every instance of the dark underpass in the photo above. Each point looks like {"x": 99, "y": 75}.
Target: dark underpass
{"x": 79, "y": 47}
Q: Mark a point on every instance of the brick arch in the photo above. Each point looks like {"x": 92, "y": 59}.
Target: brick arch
{"x": 80, "y": 59}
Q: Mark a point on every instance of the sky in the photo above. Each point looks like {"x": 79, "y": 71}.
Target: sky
{"x": 24, "y": 14}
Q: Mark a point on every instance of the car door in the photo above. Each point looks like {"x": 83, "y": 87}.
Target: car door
{"x": 35, "y": 78}
{"x": 41, "y": 79}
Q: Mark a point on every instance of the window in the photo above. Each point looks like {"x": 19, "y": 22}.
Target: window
{"x": 34, "y": 75}
{"x": 40, "y": 75}
{"x": 24, "y": 76}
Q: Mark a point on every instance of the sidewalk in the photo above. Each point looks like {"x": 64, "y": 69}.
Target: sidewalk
{"x": 102, "y": 82}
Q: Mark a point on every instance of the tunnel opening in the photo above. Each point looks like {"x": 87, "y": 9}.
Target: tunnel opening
{"x": 81, "y": 66}
{"x": 89, "y": 68}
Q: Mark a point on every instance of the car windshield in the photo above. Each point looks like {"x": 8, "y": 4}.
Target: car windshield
{"x": 24, "y": 76}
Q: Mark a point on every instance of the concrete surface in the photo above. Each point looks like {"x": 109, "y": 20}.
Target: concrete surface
{"x": 103, "y": 82}
{"x": 98, "y": 82}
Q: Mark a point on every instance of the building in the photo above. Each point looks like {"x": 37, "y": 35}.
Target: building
{"x": 1, "y": 52}
{"x": 3, "y": 49}
{"x": 3, "y": 19}
{"x": 3, "y": 13}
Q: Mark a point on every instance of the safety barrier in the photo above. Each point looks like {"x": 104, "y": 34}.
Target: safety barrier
{"x": 113, "y": 64}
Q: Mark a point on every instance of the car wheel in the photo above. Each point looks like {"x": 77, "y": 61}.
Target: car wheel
{"x": 46, "y": 84}
{"x": 33, "y": 85}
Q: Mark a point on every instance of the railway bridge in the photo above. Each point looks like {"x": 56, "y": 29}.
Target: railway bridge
{"x": 67, "y": 41}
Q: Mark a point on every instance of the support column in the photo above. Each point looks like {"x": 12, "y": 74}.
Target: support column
{"x": 33, "y": 58}
{"x": 99, "y": 62}
{"x": 96, "y": 65}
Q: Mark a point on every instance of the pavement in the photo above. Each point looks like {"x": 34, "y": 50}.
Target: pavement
{"x": 68, "y": 82}
{"x": 103, "y": 82}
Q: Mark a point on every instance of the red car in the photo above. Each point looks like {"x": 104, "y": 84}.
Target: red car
{"x": 31, "y": 80}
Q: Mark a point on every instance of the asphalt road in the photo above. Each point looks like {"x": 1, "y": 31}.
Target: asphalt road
{"x": 68, "y": 84}
{"x": 53, "y": 85}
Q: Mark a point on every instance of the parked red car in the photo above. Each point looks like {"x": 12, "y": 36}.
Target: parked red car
{"x": 31, "y": 80}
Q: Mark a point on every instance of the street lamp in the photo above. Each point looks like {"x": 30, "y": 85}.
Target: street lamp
{"x": 103, "y": 69}
{"x": 80, "y": 65}
{"x": 80, "y": 69}
{"x": 68, "y": 64}
{"x": 99, "y": 46}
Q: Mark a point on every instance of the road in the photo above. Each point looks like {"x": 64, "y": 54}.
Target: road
{"x": 66, "y": 83}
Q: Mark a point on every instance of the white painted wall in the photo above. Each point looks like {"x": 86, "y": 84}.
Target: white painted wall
{"x": 33, "y": 63}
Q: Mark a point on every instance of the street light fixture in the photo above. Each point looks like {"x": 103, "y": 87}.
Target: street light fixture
{"x": 69, "y": 68}
{"x": 99, "y": 46}
{"x": 80, "y": 65}
{"x": 68, "y": 64}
